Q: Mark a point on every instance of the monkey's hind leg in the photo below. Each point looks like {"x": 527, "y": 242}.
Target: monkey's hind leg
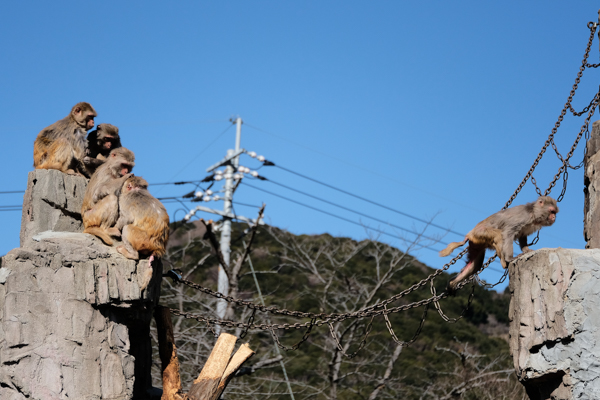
{"x": 58, "y": 156}
{"x": 100, "y": 233}
{"x": 476, "y": 257}
{"x": 129, "y": 234}
{"x": 101, "y": 217}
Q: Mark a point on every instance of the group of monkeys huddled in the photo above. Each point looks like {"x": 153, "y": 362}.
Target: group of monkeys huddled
{"x": 116, "y": 203}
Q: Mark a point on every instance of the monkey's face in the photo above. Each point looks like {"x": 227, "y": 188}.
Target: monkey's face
{"x": 125, "y": 169}
{"x": 89, "y": 120}
{"x": 545, "y": 210}
{"x": 552, "y": 215}
{"x": 107, "y": 142}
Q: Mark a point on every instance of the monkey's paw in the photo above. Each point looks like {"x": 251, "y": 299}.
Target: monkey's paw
{"x": 123, "y": 250}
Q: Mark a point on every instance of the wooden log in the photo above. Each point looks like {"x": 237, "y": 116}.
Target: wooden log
{"x": 219, "y": 368}
{"x": 168, "y": 355}
{"x": 240, "y": 357}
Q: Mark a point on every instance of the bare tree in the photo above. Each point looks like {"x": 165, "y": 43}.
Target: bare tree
{"x": 358, "y": 358}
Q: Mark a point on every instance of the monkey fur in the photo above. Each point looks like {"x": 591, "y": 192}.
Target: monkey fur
{"x": 143, "y": 220}
{"x": 499, "y": 231}
{"x": 62, "y": 145}
{"x": 99, "y": 144}
{"x": 100, "y": 209}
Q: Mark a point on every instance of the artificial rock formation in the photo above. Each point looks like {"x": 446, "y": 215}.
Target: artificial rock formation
{"x": 75, "y": 315}
{"x": 591, "y": 226}
{"x": 554, "y": 321}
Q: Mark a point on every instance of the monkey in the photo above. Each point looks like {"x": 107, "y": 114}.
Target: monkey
{"x": 100, "y": 209}
{"x": 99, "y": 144}
{"x": 61, "y": 145}
{"x": 143, "y": 220}
{"x": 499, "y": 231}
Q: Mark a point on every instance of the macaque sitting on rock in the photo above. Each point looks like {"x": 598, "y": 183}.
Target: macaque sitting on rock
{"x": 143, "y": 221}
{"x": 100, "y": 209}
{"x": 61, "y": 145}
{"x": 100, "y": 142}
{"x": 499, "y": 231}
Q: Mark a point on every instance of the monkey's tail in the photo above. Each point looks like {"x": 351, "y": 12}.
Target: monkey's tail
{"x": 99, "y": 232}
{"x": 451, "y": 247}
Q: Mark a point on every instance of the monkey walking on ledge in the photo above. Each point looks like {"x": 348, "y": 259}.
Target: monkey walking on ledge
{"x": 499, "y": 231}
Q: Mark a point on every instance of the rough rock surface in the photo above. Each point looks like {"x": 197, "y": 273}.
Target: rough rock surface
{"x": 591, "y": 226}
{"x": 554, "y": 320}
{"x": 52, "y": 202}
{"x": 75, "y": 315}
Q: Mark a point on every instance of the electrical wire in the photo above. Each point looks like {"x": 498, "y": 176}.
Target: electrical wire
{"x": 345, "y": 219}
{"x": 369, "y": 201}
{"x": 203, "y": 150}
{"x": 345, "y": 208}
{"x": 365, "y": 169}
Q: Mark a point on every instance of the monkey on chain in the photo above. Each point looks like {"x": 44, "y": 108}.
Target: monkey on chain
{"x": 499, "y": 231}
{"x": 143, "y": 220}
{"x": 100, "y": 209}
{"x": 99, "y": 144}
{"x": 61, "y": 145}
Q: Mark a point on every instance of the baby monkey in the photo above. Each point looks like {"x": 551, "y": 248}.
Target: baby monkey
{"x": 499, "y": 231}
{"x": 143, "y": 220}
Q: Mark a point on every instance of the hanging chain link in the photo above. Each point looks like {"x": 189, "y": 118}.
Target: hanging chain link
{"x": 550, "y": 141}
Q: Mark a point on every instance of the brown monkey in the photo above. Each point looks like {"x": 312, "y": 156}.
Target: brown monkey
{"x": 100, "y": 209}
{"x": 99, "y": 144}
{"x": 499, "y": 231}
{"x": 61, "y": 146}
{"x": 143, "y": 219}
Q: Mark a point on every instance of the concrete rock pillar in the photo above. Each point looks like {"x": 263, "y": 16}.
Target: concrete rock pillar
{"x": 74, "y": 314}
{"x": 555, "y": 323}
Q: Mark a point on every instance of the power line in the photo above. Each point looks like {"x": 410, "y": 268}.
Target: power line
{"x": 346, "y": 219}
{"x": 344, "y": 208}
{"x": 13, "y": 191}
{"x": 203, "y": 150}
{"x": 365, "y": 169}
{"x": 369, "y": 201}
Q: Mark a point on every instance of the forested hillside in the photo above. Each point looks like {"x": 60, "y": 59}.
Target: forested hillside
{"x": 466, "y": 359}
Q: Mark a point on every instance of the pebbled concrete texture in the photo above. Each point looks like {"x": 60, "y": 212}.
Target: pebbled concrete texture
{"x": 555, "y": 316}
{"x": 74, "y": 314}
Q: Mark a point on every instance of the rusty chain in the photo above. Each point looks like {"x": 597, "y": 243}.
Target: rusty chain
{"x": 592, "y": 27}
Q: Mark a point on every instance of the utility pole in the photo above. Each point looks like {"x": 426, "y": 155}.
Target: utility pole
{"x": 233, "y": 173}
{"x": 233, "y": 157}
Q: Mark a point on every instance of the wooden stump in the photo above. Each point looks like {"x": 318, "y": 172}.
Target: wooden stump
{"x": 216, "y": 373}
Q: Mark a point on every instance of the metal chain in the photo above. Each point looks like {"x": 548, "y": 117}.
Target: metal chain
{"x": 327, "y": 318}
{"x": 415, "y": 336}
{"x": 592, "y": 27}
{"x": 582, "y": 131}
{"x": 537, "y": 189}
{"x": 297, "y": 345}
{"x": 300, "y": 314}
{"x": 469, "y": 301}
{"x": 362, "y": 343}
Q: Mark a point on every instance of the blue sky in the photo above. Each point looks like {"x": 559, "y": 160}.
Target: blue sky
{"x": 435, "y": 109}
